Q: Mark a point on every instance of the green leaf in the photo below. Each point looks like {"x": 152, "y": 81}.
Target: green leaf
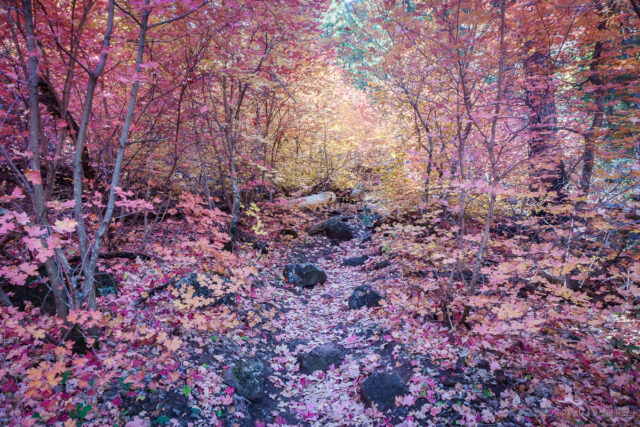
{"x": 486, "y": 392}
{"x": 65, "y": 376}
{"x": 214, "y": 338}
{"x": 186, "y": 390}
{"x": 80, "y": 413}
{"x": 162, "y": 419}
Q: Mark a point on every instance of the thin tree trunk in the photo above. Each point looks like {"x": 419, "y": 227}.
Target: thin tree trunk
{"x": 480, "y": 254}
{"x": 38, "y": 196}
{"x": 83, "y": 239}
{"x": 596, "y": 124}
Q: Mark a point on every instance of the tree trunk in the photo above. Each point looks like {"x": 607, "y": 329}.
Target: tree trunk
{"x": 596, "y": 124}
{"x": 89, "y": 260}
{"x": 235, "y": 209}
{"x": 38, "y": 197}
{"x": 547, "y": 171}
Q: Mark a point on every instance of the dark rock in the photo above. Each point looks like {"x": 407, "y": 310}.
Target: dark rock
{"x": 382, "y": 264}
{"x": 333, "y": 228}
{"x": 106, "y": 284}
{"x": 450, "y": 379}
{"x": 364, "y": 296}
{"x": 207, "y": 288}
{"x": 368, "y": 217}
{"x": 322, "y": 357}
{"x": 382, "y": 388}
{"x": 293, "y": 344}
{"x": 306, "y": 275}
{"x": 337, "y": 229}
{"x": 247, "y": 378}
{"x": 334, "y": 242}
{"x": 355, "y": 261}
{"x": 229, "y": 300}
{"x": 289, "y": 232}
{"x": 38, "y": 292}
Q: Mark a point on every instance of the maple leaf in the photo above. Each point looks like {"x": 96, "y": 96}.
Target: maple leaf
{"x": 173, "y": 344}
{"x": 66, "y": 225}
{"x": 33, "y": 176}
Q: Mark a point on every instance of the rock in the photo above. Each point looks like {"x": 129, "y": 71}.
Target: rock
{"x": 200, "y": 290}
{"x": 293, "y": 344}
{"x": 333, "y": 228}
{"x": 317, "y": 200}
{"x": 306, "y": 275}
{"x": 289, "y": 232}
{"x": 381, "y": 389}
{"x": 364, "y": 296}
{"x": 368, "y": 217}
{"x": 334, "y": 242}
{"x": 382, "y": 264}
{"x": 247, "y": 378}
{"x": 355, "y": 261}
{"x": 37, "y": 290}
{"x": 322, "y": 357}
{"x": 339, "y": 230}
{"x": 106, "y": 284}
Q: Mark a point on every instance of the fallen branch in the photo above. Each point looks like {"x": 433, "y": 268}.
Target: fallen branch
{"x": 125, "y": 255}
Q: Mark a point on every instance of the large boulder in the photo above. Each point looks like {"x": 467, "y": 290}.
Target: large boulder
{"x": 364, "y": 296}
{"x": 382, "y": 388}
{"x": 317, "y": 200}
{"x": 306, "y": 274}
{"x": 333, "y": 228}
{"x": 247, "y": 378}
{"x": 355, "y": 261}
{"x": 322, "y": 357}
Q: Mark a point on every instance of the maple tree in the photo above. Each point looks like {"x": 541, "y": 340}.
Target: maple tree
{"x": 480, "y": 159}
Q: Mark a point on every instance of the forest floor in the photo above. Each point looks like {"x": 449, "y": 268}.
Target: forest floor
{"x": 429, "y": 379}
{"x": 263, "y": 351}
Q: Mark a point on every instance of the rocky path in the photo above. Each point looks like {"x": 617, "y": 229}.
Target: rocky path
{"x": 327, "y": 364}
{"x": 322, "y": 351}
{"x": 306, "y": 358}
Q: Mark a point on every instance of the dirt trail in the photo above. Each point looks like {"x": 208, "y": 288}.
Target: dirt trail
{"x": 310, "y": 317}
{"x": 282, "y": 323}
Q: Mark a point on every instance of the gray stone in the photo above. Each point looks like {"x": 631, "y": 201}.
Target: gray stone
{"x": 333, "y": 228}
{"x": 355, "y": 261}
{"x": 247, "y": 378}
{"x": 322, "y": 357}
{"x": 382, "y": 264}
{"x": 364, "y": 296}
{"x": 306, "y": 274}
{"x": 382, "y": 388}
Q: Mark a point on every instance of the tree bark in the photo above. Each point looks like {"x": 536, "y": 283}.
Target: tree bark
{"x": 547, "y": 171}
{"x": 592, "y": 135}
{"x": 37, "y": 193}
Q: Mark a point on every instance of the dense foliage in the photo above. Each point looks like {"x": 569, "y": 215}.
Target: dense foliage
{"x": 155, "y": 161}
